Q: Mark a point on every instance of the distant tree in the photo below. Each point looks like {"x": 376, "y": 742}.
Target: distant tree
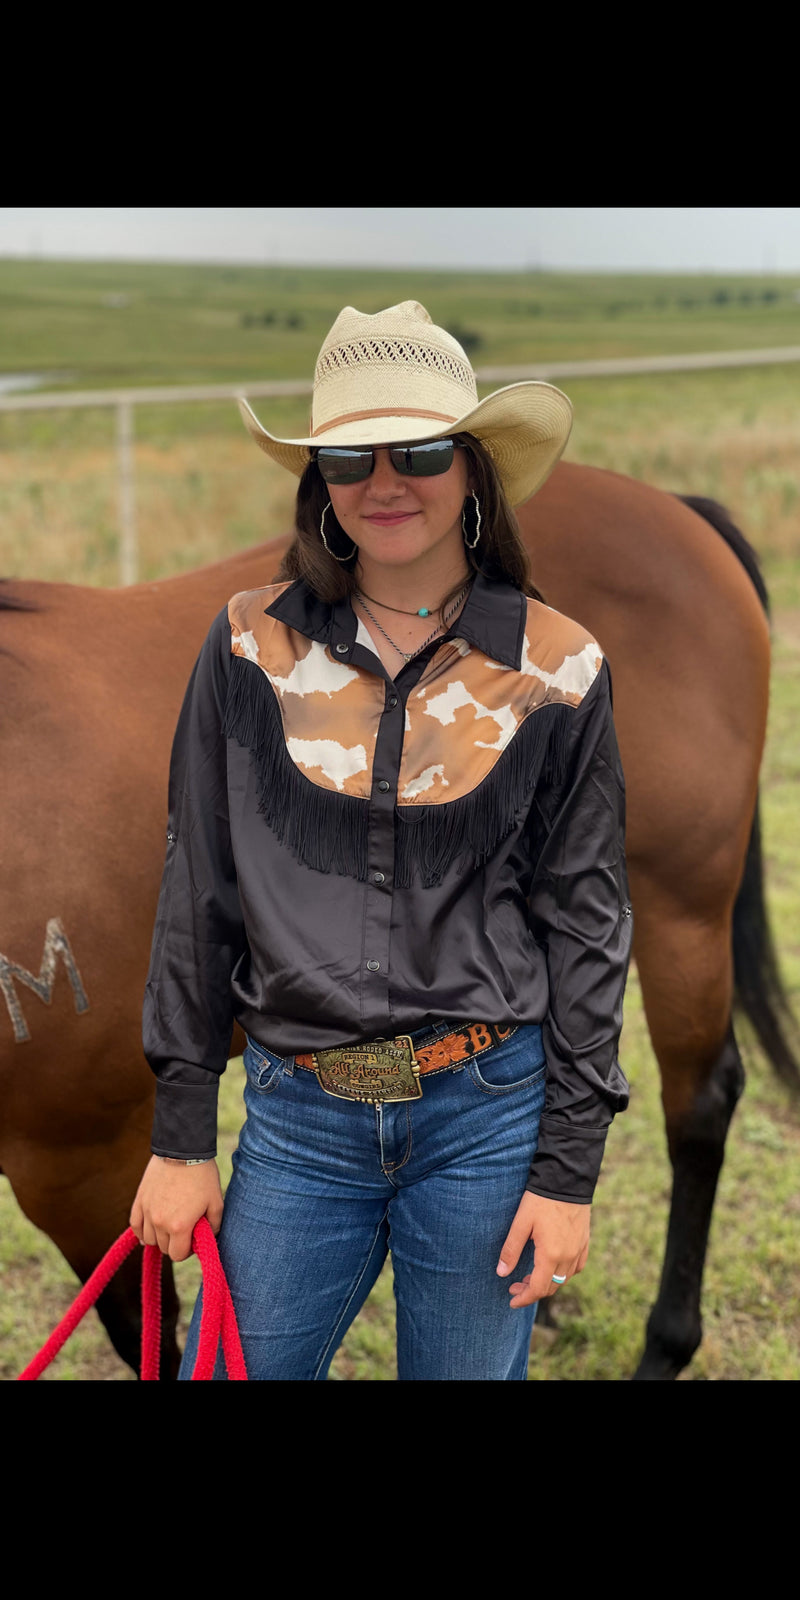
{"x": 467, "y": 338}
{"x": 249, "y": 319}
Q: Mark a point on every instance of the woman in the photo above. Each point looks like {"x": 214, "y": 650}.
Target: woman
{"x": 396, "y": 857}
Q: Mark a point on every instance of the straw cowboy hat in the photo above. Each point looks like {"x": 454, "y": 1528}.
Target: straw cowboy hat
{"x": 395, "y": 378}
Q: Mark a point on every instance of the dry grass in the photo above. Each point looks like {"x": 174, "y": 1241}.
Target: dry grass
{"x": 731, "y": 436}
{"x": 194, "y": 503}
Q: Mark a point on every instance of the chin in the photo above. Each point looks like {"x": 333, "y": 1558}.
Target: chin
{"x": 392, "y": 553}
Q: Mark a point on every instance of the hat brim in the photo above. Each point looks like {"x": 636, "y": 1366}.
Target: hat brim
{"x": 524, "y": 427}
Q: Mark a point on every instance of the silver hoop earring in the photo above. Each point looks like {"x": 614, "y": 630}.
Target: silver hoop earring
{"x": 471, "y": 543}
{"x": 327, "y": 546}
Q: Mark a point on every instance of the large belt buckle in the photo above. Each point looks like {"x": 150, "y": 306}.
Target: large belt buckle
{"x": 385, "y": 1069}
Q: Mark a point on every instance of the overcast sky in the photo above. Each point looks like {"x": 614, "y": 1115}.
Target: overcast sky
{"x": 642, "y": 238}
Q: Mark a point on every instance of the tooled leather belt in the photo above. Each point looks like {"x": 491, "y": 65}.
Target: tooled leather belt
{"x": 390, "y": 1069}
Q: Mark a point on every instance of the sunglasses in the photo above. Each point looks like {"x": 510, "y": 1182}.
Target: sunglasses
{"x": 340, "y": 466}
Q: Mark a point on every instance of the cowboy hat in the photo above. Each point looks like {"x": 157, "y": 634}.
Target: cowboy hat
{"x": 395, "y": 377}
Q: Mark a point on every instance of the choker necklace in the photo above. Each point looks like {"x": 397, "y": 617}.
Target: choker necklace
{"x": 446, "y": 618}
{"x": 424, "y": 611}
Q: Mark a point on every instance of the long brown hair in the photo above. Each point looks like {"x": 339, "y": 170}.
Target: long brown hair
{"x": 499, "y": 555}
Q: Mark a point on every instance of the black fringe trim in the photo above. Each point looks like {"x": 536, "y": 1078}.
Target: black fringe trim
{"x": 429, "y": 838}
{"x": 324, "y": 829}
{"x": 328, "y": 831}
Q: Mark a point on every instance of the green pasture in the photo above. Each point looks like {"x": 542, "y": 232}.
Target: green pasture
{"x": 203, "y": 491}
{"x": 110, "y": 324}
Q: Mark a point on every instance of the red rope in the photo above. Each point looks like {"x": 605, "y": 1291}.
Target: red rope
{"x": 151, "y": 1312}
{"x": 218, "y": 1318}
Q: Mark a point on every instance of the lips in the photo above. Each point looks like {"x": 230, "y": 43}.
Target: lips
{"x": 389, "y": 519}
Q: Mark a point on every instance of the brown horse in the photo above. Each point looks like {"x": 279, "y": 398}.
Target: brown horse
{"x": 92, "y": 684}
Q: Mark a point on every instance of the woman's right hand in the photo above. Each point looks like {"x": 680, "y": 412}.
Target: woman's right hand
{"x": 170, "y": 1199}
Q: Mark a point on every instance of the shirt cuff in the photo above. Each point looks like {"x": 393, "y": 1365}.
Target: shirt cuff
{"x": 567, "y": 1162}
{"x": 185, "y": 1121}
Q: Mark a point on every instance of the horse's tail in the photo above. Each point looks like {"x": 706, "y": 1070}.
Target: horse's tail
{"x": 759, "y": 989}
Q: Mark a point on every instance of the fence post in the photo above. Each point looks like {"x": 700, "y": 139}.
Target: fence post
{"x": 128, "y": 556}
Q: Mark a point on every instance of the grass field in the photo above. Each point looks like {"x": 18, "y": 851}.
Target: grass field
{"x": 202, "y": 491}
{"x": 99, "y": 325}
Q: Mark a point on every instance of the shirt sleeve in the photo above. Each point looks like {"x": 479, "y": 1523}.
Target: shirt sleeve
{"x": 199, "y": 934}
{"x": 581, "y": 917}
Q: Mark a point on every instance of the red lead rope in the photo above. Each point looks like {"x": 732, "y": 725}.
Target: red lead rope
{"x": 218, "y": 1319}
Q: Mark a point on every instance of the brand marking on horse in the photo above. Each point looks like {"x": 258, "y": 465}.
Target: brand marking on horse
{"x": 56, "y": 944}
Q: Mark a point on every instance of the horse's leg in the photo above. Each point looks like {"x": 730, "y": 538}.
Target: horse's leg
{"x": 81, "y": 1199}
{"x": 685, "y": 968}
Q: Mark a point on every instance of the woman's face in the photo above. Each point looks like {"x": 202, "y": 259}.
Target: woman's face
{"x": 397, "y": 520}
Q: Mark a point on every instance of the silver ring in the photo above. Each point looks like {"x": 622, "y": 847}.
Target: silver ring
{"x": 559, "y": 1280}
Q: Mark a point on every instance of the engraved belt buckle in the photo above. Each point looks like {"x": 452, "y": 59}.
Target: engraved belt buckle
{"x": 386, "y": 1069}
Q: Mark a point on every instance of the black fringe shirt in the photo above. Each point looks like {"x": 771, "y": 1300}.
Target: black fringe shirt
{"x": 352, "y": 856}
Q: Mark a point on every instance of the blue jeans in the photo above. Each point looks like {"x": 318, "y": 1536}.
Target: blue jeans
{"x": 323, "y": 1188}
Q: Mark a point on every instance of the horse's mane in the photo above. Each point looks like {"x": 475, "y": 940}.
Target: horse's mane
{"x": 14, "y": 602}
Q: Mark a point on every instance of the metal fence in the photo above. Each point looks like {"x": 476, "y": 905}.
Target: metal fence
{"x": 125, "y": 400}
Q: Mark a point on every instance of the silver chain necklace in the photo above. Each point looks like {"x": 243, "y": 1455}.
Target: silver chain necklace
{"x": 446, "y": 618}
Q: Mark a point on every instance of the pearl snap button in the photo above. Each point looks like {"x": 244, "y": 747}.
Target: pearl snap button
{"x": 373, "y": 966}
{"x": 383, "y": 786}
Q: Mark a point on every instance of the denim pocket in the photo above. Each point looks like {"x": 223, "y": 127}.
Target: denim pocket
{"x": 518, "y": 1063}
{"x": 264, "y": 1070}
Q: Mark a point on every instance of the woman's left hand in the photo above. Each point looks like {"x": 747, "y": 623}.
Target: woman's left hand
{"x": 560, "y": 1234}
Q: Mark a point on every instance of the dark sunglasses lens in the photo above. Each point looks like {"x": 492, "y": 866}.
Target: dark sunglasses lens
{"x": 423, "y": 460}
{"x": 345, "y": 466}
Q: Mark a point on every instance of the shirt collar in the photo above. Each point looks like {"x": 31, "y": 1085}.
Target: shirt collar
{"x": 493, "y": 619}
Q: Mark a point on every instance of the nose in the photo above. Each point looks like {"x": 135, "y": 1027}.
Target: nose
{"x": 384, "y": 479}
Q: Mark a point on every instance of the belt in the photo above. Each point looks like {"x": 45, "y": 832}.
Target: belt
{"x": 390, "y": 1069}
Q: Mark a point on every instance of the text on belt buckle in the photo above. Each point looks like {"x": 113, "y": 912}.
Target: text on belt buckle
{"x": 385, "y": 1069}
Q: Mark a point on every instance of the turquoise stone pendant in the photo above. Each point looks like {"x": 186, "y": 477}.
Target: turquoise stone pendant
{"x": 423, "y": 612}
